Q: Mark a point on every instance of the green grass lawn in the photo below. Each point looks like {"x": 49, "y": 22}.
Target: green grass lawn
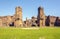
{"x": 18, "y": 33}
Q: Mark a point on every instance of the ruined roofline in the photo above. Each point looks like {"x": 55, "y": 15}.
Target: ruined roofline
{"x": 40, "y": 7}
{"x": 52, "y": 16}
{"x": 18, "y": 7}
{"x": 5, "y": 16}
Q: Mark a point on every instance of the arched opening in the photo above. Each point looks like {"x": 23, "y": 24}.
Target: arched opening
{"x": 34, "y": 24}
{"x": 11, "y": 24}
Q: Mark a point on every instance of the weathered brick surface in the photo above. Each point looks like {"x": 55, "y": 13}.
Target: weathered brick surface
{"x": 41, "y": 20}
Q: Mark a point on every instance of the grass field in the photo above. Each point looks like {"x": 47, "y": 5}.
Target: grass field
{"x": 41, "y": 33}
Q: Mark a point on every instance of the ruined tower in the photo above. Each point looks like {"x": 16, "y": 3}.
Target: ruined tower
{"x": 41, "y": 17}
{"x": 18, "y": 17}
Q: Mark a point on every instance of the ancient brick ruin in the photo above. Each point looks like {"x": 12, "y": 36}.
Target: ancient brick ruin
{"x": 40, "y": 21}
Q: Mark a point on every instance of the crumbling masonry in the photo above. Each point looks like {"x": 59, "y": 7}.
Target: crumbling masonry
{"x": 40, "y": 21}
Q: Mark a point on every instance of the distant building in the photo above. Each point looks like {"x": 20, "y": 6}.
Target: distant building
{"x": 15, "y": 20}
{"x": 40, "y": 21}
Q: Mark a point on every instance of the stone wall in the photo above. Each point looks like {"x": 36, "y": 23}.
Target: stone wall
{"x": 41, "y": 17}
{"x": 18, "y": 17}
{"x": 40, "y": 21}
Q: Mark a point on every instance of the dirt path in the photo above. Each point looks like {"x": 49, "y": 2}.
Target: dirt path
{"x": 31, "y": 28}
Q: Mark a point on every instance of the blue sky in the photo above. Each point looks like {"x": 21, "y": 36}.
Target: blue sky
{"x": 30, "y": 7}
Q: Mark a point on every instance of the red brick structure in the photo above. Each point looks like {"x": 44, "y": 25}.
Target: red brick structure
{"x": 41, "y": 17}
{"x": 18, "y": 17}
{"x": 40, "y": 21}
